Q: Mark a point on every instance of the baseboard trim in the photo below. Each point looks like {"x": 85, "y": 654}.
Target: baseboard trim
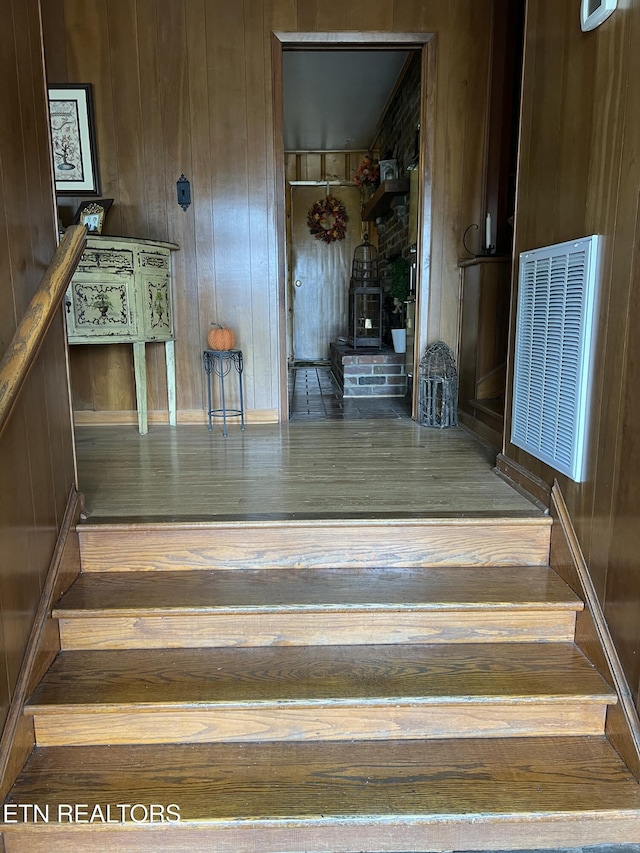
{"x": 18, "y": 738}
{"x": 86, "y": 417}
{"x": 622, "y": 726}
{"x": 537, "y": 488}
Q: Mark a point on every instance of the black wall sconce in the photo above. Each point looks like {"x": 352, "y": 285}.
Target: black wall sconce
{"x": 184, "y": 192}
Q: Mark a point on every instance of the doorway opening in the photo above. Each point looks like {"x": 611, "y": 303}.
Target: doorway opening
{"x": 342, "y": 104}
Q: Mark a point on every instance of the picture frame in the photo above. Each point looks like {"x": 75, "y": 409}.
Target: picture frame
{"x": 92, "y": 214}
{"x": 75, "y": 165}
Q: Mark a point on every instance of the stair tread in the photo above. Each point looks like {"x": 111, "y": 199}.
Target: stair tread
{"x": 259, "y": 590}
{"x": 458, "y": 673}
{"x": 414, "y": 781}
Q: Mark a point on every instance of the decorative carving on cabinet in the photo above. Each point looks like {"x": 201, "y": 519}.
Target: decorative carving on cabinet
{"x": 104, "y": 305}
{"x": 158, "y": 306}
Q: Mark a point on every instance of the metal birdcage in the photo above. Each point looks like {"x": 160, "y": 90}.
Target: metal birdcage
{"x": 365, "y": 297}
{"x": 438, "y": 387}
{"x": 365, "y": 261}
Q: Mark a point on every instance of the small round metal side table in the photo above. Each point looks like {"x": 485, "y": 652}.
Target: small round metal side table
{"x": 220, "y": 363}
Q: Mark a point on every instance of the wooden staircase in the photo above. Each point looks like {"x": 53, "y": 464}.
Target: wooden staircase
{"x": 320, "y": 686}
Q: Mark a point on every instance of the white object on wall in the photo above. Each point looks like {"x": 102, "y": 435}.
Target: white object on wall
{"x": 555, "y": 330}
{"x": 595, "y": 12}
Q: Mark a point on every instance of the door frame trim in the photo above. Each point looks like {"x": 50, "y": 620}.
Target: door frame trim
{"x": 427, "y": 43}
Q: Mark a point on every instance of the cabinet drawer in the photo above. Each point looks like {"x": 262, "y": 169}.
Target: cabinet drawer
{"x": 100, "y": 308}
{"x": 154, "y": 261}
{"x": 105, "y": 260}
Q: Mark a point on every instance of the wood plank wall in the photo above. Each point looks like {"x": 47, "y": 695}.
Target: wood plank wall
{"x": 36, "y": 448}
{"x": 321, "y": 165}
{"x": 579, "y": 174}
{"x": 186, "y": 86}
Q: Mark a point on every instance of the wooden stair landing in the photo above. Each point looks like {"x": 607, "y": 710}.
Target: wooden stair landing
{"x": 479, "y": 540}
{"x": 354, "y": 703}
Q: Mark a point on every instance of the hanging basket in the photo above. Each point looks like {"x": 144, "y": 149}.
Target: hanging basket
{"x": 438, "y": 387}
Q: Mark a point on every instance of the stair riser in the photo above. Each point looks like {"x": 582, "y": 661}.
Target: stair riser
{"x": 475, "y": 832}
{"x": 458, "y": 542}
{"x": 315, "y": 628}
{"x": 317, "y": 723}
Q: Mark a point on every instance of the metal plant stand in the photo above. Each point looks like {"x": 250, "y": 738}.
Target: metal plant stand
{"x": 220, "y": 363}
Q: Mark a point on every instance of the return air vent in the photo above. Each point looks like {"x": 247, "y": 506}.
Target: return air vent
{"x": 553, "y": 355}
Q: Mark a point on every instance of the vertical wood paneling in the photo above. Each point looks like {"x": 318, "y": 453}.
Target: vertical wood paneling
{"x": 176, "y": 141}
{"x": 623, "y": 587}
{"x": 307, "y": 14}
{"x": 622, "y": 594}
{"x": 263, "y": 353}
{"x": 231, "y": 101}
{"x": 14, "y": 178}
{"x": 414, "y": 15}
{"x": 610, "y": 211}
{"x": 90, "y": 26}
{"x": 53, "y": 23}
{"x": 364, "y": 15}
{"x": 188, "y": 86}
{"x": 55, "y": 401}
{"x": 108, "y": 370}
{"x": 467, "y": 98}
{"x": 579, "y": 174}
{"x": 36, "y": 450}
{"x": 198, "y": 302}
{"x": 20, "y": 588}
{"x": 36, "y": 191}
{"x": 8, "y": 137}
{"x": 130, "y": 132}
{"x": 438, "y": 255}
{"x": 281, "y": 15}
{"x": 151, "y": 20}
{"x": 332, "y": 17}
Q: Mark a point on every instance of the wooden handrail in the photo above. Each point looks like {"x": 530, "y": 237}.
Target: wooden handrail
{"x": 31, "y": 331}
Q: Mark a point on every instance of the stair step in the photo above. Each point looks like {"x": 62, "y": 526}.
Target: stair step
{"x": 376, "y": 796}
{"x": 320, "y": 693}
{"x": 323, "y": 543}
{"x": 493, "y": 407}
{"x": 294, "y": 606}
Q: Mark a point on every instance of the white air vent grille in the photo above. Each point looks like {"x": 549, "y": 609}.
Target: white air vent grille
{"x": 553, "y": 355}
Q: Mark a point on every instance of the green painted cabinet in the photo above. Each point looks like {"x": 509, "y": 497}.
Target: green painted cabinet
{"x": 121, "y": 293}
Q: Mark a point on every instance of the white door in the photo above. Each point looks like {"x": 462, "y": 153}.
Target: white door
{"x": 320, "y": 272}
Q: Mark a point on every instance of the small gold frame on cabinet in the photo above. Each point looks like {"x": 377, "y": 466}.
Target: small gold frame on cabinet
{"x": 91, "y": 214}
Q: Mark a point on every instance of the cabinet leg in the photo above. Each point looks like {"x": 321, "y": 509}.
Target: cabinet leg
{"x": 170, "y": 358}
{"x": 140, "y": 370}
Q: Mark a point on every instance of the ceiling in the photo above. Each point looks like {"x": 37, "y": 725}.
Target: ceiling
{"x": 334, "y": 98}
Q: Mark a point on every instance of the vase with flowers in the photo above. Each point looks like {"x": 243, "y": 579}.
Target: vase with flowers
{"x": 367, "y": 177}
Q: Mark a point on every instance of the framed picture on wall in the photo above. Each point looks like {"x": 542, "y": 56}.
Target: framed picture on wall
{"x": 75, "y": 166}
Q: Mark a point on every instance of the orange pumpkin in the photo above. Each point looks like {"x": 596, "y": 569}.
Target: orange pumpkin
{"x": 220, "y": 337}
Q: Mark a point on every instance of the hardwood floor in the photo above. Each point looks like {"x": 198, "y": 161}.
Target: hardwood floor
{"x": 337, "y": 468}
